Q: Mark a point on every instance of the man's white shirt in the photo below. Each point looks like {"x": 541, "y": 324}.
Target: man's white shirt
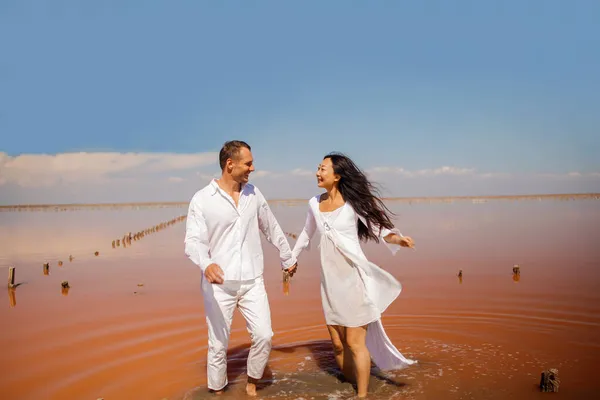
{"x": 219, "y": 232}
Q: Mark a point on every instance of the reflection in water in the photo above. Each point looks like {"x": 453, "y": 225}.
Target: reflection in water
{"x": 64, "y": 290}
{"x": 286, "y": 283}
{"x": 12, "y": 297}
{"x": 516, "y": 277}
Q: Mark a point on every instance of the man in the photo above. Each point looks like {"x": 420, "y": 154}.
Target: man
{"x": 222, "y": 238}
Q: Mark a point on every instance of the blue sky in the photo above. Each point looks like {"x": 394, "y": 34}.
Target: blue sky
{"x": 505, "y": 87}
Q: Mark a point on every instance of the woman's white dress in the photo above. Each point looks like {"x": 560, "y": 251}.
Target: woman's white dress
{"x": 354, "y": 291}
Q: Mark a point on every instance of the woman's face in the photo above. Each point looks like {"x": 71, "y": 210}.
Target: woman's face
{"x": 326, "y": 178}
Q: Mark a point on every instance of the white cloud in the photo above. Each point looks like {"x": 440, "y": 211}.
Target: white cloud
{"x": 445, "y": 170}
{"x": 261, "y": 173}
{"x": 569, "y": 175}
{"x": 117, "y": 177}
{"x": 457, "y": 171}
{"x": 35, "y": 170}
{"x": 302, "y": 172}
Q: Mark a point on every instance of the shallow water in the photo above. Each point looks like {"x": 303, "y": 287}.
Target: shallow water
{"x": 131, "y": 325}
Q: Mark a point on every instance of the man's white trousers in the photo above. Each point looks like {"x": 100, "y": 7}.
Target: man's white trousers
{"x": 220, "y": 301}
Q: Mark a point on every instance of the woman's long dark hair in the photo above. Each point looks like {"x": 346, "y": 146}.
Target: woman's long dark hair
{"x": 362, "y": 195}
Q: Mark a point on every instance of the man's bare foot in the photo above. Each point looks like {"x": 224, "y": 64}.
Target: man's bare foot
{"x": 217, "y": 392}
{"x": 251, "y": 387}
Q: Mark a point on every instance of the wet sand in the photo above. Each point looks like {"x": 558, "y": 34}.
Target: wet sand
{"x": 131, "y": 325}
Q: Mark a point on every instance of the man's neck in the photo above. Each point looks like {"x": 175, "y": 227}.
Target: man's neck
{"x": 229, "y": 185}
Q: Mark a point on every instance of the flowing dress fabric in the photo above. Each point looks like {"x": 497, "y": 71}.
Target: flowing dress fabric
{"x": 343, "y": 295}
{"x": 354, "y": 291}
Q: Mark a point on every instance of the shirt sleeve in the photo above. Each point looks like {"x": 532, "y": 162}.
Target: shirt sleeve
{"x": 273, "y": 233}
{"x": 303, "y": 242}
{"x": 196, "y": 237}
{"x": 381, "y": 233}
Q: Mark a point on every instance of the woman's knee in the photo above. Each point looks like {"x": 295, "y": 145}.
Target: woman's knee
{"x": 356, "y": 341}
{"x": 338, "y": 346}
{"x": 356, "y": 346}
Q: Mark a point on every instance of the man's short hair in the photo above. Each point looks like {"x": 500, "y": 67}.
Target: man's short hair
{"x": 231, "y": 149}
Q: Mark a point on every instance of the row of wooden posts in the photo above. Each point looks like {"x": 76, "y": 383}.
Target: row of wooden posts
{"x": 126, "y": 240}
{"x": 129, "y": 237}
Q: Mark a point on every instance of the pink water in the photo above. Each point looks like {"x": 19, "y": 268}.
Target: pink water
{"x": 131, "y": 326}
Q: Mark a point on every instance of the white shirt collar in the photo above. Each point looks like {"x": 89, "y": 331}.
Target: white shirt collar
{"x": 216, "y": 187}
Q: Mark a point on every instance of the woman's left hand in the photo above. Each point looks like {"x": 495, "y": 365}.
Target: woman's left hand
{"x": 406, "y": 241}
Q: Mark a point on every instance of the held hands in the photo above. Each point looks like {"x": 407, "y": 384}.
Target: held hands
{"x": 214, "y": 274}
{"x": 292, "y": 270}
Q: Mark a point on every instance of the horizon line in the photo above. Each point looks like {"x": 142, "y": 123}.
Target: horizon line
{"x": 295, "y": 200}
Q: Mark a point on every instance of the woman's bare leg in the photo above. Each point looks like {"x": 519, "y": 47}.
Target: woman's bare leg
{"x": 356, "y": 341}
{"x": 338, "y": 339}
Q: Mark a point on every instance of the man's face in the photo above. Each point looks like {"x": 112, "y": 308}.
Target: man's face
{"x": 242, "y": 165}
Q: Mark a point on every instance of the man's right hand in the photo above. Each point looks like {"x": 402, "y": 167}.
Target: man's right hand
{"x": 214, "y": 273}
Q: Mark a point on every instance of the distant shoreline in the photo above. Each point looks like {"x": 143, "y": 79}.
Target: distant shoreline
{"x": 421, "y": 199}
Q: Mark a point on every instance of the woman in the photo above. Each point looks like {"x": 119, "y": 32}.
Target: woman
{"x": 354, "y": 291}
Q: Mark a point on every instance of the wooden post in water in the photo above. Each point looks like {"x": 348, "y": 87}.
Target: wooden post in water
{"x": 11, "y": 277}
{"x": 46, "y": 268}
{"x": 549, "y": 381}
